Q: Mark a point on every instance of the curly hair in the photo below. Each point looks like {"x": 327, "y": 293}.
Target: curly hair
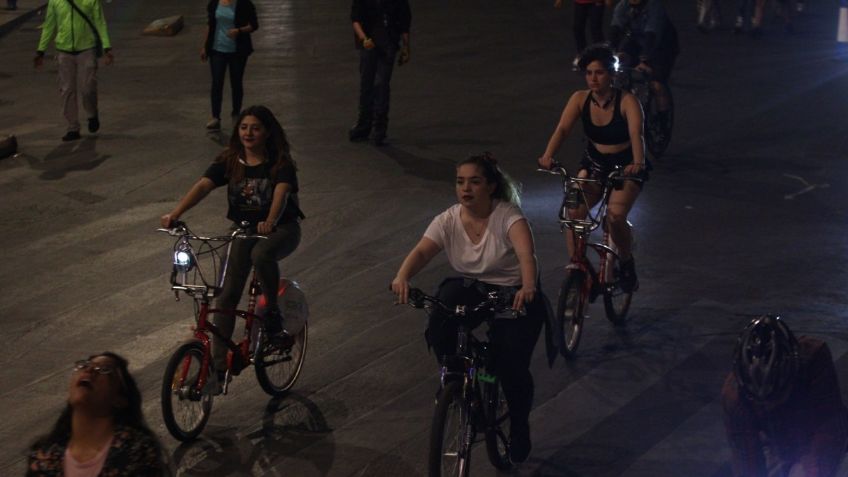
{"x": 601, "y": 53}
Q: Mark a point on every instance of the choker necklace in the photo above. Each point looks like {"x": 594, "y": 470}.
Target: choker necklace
{"x": 606, "y": 102}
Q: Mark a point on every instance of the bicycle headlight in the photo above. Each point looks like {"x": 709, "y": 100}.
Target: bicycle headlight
{"x": 183, "y": 258}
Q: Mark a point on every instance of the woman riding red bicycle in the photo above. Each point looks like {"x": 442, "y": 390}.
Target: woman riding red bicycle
{"x": 262, "y": 187}
{"x": 612, "y": 122}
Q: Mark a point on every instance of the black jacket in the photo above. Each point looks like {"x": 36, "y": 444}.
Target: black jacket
{"x": 245, "y": 14}
{"x": 384, "y": 21}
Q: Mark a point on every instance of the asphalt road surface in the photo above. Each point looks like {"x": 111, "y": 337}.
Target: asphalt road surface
{"x": 745, "y": 214}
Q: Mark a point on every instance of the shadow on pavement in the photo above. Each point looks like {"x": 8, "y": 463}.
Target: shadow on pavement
{"x": 68, "y": 157}
{"x": 289, "y": 424}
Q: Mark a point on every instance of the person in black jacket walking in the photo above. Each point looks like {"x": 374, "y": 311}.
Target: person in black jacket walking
{"x": 227, "y": 45}
{"x": 380, "y": 28}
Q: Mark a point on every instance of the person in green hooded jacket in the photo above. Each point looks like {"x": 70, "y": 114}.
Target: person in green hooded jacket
{"x": 79, "y": 28}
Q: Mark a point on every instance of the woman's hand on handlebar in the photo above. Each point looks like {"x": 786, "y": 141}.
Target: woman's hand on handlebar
{"x": 400, "y": 288}
{"x": 634, "y": 169}
{"x": 545, "y": 162}
{"x": 168, "y": 219}
{"x": 264, "y": 227}
{"x": 523, "y": 297}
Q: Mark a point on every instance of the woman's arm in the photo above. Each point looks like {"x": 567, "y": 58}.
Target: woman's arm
{"x": 198, "y": 191}
{"x": 278, "y": 205}
{"x": 522, "y": 241}
{"x": 412, "y": 264}
{"x": 566, "y": 121}
{"x": 633, "y": 114}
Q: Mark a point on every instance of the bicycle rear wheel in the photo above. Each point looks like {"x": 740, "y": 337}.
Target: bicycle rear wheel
{"x": 278, "y": 366}
{"x": 571, "y": 311}
{"x": 185, "y": 408}
{"x": 657, "y": 132}
{"x": 451, "y": 434}
{"x": 497, "y": 425}
{"x": 616, "y": 300}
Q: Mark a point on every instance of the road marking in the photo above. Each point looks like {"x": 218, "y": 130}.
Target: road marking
{"x": 807, "y": 186}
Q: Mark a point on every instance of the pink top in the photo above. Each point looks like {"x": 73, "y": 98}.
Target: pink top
{"x": 90, "y": 468}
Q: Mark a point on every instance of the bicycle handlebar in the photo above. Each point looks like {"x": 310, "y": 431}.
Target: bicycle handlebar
{"x": 180, "y": 229}
{"x": 497, "y": 302}
{"x": 615, "y": 175}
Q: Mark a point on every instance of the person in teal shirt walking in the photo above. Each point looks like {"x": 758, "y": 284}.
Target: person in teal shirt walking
{"x": 79, "y": 28}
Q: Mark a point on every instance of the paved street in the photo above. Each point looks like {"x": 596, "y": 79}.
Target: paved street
{"x": 726, "y": 228}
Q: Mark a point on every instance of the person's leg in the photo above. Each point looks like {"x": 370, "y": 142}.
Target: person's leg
{"x": 513, "y": 341}
{"x": 382, "y": 92}
{"x": 68, "y": 90}
{"x": 238, "y": 270}
{"x": 87, "y": 80}
{"x": 218, "y": 68}
{"x": 266, "y": 254}
{"x": 581, "y": 16}
{"x": 367, "y": 71}
{"x": 237, "y": 64}
{"x": 441, "y": 331}
{"x": 596, "y": 22}
{"x": 620, "y": 203}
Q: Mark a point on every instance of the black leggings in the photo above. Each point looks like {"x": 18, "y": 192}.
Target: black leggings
{"x": 512, "y": 342}
{"x": 593, "y": 14}
{"x": 218, "y": 64}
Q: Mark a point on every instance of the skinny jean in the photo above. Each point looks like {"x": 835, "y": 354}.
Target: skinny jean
{"x": 246, "y": 253}
{"x": 218, "y": 64}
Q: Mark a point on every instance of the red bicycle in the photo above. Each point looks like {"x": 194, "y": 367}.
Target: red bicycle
{"x": 582, "y": 284}
{"x": 190, "y": 382}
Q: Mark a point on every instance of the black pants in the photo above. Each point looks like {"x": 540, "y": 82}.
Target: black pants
{"x": 218, "y": 64}
{"x": 512, "y": 343}
{"x": 593, "y": 14}
{"x": 375, "y": 74}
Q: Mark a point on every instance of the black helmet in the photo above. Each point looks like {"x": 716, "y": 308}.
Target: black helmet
{"x": 766, "y": 358}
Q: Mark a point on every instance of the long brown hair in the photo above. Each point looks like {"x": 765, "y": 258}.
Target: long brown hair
{"x": 277, "y": 149}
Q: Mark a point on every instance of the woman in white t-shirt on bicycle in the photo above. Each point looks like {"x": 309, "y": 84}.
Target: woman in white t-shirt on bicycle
{"x": 488, "y": 242}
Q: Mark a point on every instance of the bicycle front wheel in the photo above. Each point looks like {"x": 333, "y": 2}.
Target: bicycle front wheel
{"x": 278, "y": 365}
{"x": 571, "y": 311}
{"x": 185, "y": 407}
{"x": 451, "y": 434}
{"x": 616, "y": 300}
{"x": 497, "y": 425}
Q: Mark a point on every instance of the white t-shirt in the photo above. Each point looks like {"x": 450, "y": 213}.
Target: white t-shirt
{"x": 493, "y": 260}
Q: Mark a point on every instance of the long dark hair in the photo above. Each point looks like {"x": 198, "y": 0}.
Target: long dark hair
{"x": 130, "y": 415}
{"x": 277, "y": 149}
{"x": 506, "y": 188}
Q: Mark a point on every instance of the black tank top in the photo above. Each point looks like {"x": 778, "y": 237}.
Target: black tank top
{"x": 615, "y": 132}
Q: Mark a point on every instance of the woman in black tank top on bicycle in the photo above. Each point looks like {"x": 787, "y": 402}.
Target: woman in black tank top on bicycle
{"x": 612, "y": 123}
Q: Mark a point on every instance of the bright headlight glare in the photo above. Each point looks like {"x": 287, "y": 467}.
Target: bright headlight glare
{"x": 182, "y": 258}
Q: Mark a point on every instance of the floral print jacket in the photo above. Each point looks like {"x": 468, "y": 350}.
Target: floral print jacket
{"x": 134, "y": 452}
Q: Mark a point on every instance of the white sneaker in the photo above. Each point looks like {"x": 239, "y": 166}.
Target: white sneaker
{"x": 214, "y": 124}
{"x": 575, "y": 65}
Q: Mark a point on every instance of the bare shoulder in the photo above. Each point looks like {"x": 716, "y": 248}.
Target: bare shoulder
{"x": 578, "y": 98}
{"x": 628, "y": 99}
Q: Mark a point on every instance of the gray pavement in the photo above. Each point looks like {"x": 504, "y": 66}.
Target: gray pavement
{"x": 721, "y": 231}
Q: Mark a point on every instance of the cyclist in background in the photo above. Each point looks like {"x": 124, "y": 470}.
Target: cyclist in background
{"x": 261, "y": 180}
{"x": 488, "y": 242}
{"x": 783, "y": 393}
{"x": 619, "y": 143}
{"x": 646, "y": 39}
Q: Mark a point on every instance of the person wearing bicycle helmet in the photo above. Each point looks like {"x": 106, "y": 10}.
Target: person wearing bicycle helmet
{"x": 783, "y": 393}
{"x": 261, "y": 180}
{"x": 488, "y": 242}
{"x": 642, "y": 33}
{"x": 612, "y": 123}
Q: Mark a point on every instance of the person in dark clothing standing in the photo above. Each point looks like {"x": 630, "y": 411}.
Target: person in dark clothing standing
{"x": 380, "y": 28}
{"x": 227, "y": 45}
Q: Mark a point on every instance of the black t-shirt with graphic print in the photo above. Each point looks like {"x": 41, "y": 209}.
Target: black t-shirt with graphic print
{"x": 250, "y": 199}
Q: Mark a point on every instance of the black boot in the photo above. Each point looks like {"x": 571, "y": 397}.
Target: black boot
{"x": 362, "y": 129}
{"x": 381, "y": 124}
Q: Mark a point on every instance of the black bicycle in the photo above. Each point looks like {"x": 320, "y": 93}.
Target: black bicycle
{"x": 470, "y": 399}
{"x": 657, "y": 130}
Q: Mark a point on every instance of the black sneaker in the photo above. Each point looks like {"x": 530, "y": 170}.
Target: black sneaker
{"x": 93, "y": 124}
{"x": 273, "y": 321}
{"x": 71, "y": 136}
{"x": 359, "y": 133}
{"x": 379, "y": 139}
{"x": 628, "y": 281}
{"x": 519, "y": 444}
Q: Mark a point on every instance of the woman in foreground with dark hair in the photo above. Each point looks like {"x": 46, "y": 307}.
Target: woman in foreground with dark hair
{"x": 102, "y": 429}
{"x": 488, "y": 243}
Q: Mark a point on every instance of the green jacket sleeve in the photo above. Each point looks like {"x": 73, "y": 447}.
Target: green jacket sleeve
{"x": 48, "y": 28}
{"x": 99, "y": 21}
